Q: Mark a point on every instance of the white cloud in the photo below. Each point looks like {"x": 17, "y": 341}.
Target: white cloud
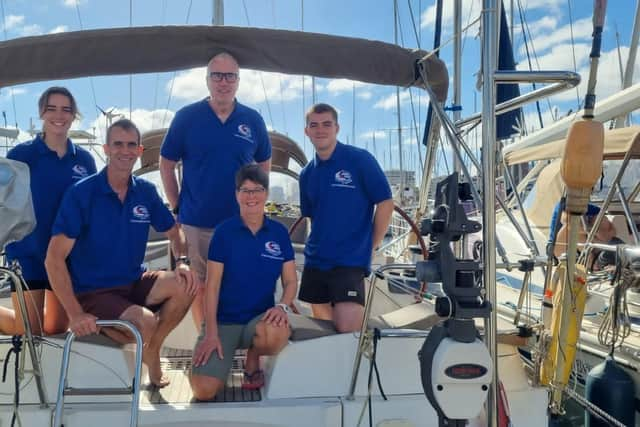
{"x": 377, "y": 134}
{"x": 550, "y": 37}
{"x": 389, "y": 102}
{"x": 13, "y": 21}
{"x": 608, "y": 80}
{"x": 6, "y": 93}
{"x": 73, "y": 3}
{"x": 59, "y": 29}
{"x": 146, "y": 120}
{"x": 254, "y": 86}
{"x": 470, "y": 12}
{"x": 560, "y": 57}
{"x": 189, "y": 85}
{"x": 543, "y": 25}
{"x": 31, "y": 30}
{"x": 336, "y": 86}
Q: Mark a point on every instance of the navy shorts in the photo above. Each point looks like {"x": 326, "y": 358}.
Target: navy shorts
{"x": 339, "y": 284}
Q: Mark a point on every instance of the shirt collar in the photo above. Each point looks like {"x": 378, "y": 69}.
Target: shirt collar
{"x": 336, "y": 152}
{"x": 241, "y": 225}
{"x": 104, "y": 182}
{"x": 43, "y": 148}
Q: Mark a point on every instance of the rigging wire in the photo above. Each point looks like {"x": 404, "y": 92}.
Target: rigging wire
{"x": 411, "y": 103}
{"x": 175, "y": 73}
{"x": 414, "y": 128}
{"x": 573, "y": 49}
{"x": 284, "y": 115}
{"x": 155, "y": 90}
{"x": 264, "y": 89}
{"x": 304, "y": 140}
{"x": 13, "y": 96}
{"x": 525, "y": 30}
{"x": 413, "y": 23}
{"x": 130, "y": 75}
{"x": 91, "y": 83}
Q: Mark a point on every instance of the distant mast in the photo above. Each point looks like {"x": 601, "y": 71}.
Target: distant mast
{"x": 400, "y": 162}
{"x": 218, "y": 13}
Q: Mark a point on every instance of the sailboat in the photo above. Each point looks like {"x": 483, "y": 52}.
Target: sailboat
{"x": 322, "y": 377}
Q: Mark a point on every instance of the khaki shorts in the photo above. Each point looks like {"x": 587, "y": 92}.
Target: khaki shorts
{"x": 232, "y": 337}
{"x": 198, "y": 240}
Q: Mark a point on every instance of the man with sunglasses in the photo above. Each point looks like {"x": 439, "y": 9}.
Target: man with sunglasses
{"x": 213, "y": 138}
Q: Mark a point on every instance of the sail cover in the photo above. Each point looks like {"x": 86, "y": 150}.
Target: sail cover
{"x": 16, "y": 207}
{"x": 168, "y": 48}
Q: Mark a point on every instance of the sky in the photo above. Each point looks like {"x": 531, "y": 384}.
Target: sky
{"x": 368, "y": 115}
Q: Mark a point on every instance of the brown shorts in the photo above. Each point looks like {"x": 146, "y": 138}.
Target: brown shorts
{"x": 109, "y": 304}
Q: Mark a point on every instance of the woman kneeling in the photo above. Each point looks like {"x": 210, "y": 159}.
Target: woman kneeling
{"x": 247, "y": 255}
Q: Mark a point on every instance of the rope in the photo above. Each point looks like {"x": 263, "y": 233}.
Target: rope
{"x": 616, "y": 323}
{"x": 593, "y": 409}
{"x": 16, "y": 341}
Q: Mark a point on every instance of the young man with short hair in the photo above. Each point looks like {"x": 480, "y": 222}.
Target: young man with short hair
{"x": 346, "y": 195}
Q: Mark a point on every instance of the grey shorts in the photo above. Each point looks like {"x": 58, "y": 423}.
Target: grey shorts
{"x": 198, "y": 240}
{"x": 232, "y": 338}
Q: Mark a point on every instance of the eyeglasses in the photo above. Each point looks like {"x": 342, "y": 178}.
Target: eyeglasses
{"x": 229, "y": 77}
{"x": 252, "y": 191}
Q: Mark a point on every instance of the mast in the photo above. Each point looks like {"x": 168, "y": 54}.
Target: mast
{"x": 457, "y": 65}
{"x": 490, "y": 11}
{"x": 395, "y": 37}
{"x": 631, "y": 62}
{"x": 217, "y": 17}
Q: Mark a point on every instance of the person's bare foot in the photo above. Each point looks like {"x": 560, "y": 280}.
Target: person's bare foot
{"x": 156, "y": 377}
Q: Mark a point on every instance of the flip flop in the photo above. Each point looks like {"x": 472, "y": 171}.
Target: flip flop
{"x": 253, "y": 381}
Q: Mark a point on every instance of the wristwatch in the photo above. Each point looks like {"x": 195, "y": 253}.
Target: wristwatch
{"x": 183, "y": 259}
{"x": 284, "y": 307}
{"x": 175, "y": 210}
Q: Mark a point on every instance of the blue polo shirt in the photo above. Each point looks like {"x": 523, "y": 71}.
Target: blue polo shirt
{"x": 339, "y": 195}
{"x": 252, "y": 266}
{"x": 50, "y": 177}
{"x": 592, "y": 210}
{"x": 211, "y": 154}
{"x": 110, "y": 236}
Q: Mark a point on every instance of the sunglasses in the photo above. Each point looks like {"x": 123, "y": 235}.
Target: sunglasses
{"x": 229, "y": 77}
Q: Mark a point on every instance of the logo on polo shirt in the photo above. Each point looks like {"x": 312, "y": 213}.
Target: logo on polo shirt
{"x": 272, "y": 250}
{"x": 244, "y": 132}
{"x": 79, "y": 172}
{"x": 343, "y": 179}
{"x": 140, "y": 214}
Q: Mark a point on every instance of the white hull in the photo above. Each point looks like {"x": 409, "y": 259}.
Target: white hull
{"x": 306, "y": 384}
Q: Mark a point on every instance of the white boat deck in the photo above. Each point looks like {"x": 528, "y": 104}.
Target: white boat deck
{"x": 176, "y": 365}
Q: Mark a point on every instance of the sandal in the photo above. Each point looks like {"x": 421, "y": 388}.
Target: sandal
{"x": 253, "y": 381}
